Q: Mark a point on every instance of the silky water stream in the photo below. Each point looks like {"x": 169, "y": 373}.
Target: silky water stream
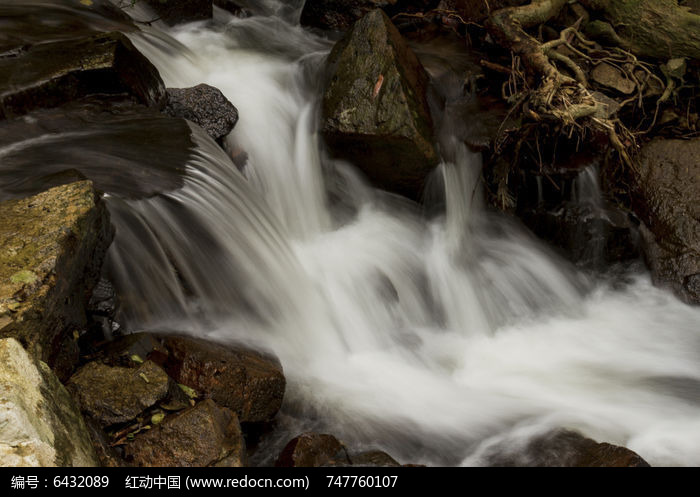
{"x": 438, "y": 333}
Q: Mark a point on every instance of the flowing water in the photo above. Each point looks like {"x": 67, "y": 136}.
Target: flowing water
{"x": 436, "y": 333}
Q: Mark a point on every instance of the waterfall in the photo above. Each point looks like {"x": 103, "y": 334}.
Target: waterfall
{"x": 434, "y": 337}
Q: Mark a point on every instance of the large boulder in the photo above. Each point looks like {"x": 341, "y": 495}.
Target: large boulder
{"x": 375, "y": 111}
{"x": 203, "y": 435}
{"x": 563, "y": 448}
{"x": 111, "y": 395}
{"x": 53, "y": 245}
{"x": 39, "y": 423}
{"x": 179, "y": 11}
{"x": 203, "y": 105}
{"x": 50, "y": 74}
{"x": 312, "y": 450}
{"x": 248, "y": 383}
{"x": 666, "y": 192}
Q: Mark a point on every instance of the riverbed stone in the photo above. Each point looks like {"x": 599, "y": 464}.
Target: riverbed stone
{"x": 375, "y": 110}
{"x": 53, "y": 245}
{"x": 665, "y": 196}
{"x": 203, "y": 105}
{"x": 40, "y": 424}
{"x": 249, "y": 383}
{"x": 374, "y": 459}
{"x": 565, "y": 448}
{"x": 312, "y": 450}
{"x": 53, "y": 73}
{"x": 112, "y": 395}
{"x": 203, "y": 435}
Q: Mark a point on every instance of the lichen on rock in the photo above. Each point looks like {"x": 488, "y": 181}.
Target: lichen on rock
{"x": 39, "y": 423}
{"x": 375, "y": 109}
{"x": 52, "y": 252}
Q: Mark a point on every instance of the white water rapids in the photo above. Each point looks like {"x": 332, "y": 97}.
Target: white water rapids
{"x": 433, "y": 337}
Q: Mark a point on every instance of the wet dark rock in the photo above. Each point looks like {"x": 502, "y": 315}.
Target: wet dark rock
{"x": 374, "y": 459}
{"x": 250, "y": 384}
{"x": 112, "y": 395}
{"x": 103, "y": 299}
{"x": 50, "y": 74}
{"x": 124, "y": 147}
{"x": 144, "y": 346}
{"x": 566, "y": 208}
{"x": 203, "y": 435}
{"x": 565, "y": 448}
{"x": 665, "y": 197}
{"x": 108, "y": 457}
{"x": 312, "y": 450}
{"x": 180, "y": 11}
{"x": 203, "y": 105}
{"x": 53, "y": 246}
{"x": 375, "y": 111}
{"x": 589, "y": 236}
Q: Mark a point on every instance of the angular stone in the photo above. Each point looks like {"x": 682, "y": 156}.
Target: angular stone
{"x": 50, "y": 74}
{"x": 246, "y": 382}
{"x": 204, "y": 435}
{"x": 375, "y": 111}
{"x": 179, "y": 11}
{"x": 565, "y": 448}
{"x": 53, "y": 245}
{"x": 313, "y": 450}
{"x": 39, "y": 422}
{"x": 203, "y": 105}
{"x": 111, "y": 395}
{"x": 665, "y": 197}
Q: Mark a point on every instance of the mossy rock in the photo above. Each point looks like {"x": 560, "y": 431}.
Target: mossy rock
{"x": 51, "y": 74}
{"x": 111, "y": 395}
{"x": 53, "y": 245}
{"x": 375, "y": 111}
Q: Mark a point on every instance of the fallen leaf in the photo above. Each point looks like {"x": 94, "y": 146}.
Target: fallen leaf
{"x": 188, "y": 391}
{"x": 378, "y": 86}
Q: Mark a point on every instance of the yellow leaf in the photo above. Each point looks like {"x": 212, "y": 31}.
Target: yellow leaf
{"x": 88, "y": 3}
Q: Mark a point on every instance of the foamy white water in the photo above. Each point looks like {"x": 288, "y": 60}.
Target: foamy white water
{"x": 435, "y": 338}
